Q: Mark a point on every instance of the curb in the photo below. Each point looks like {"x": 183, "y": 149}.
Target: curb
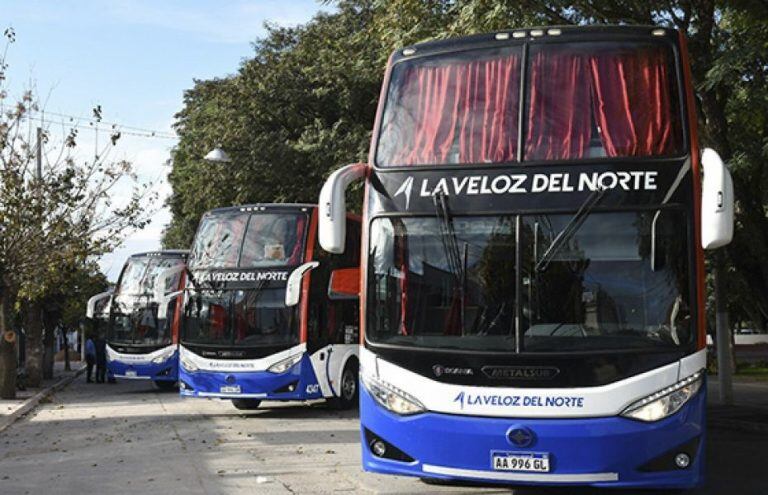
{"x": 33, "y": 401}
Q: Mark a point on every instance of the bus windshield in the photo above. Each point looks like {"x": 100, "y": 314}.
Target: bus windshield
{"x": 245, "y": 240}
{"x": 240, "y": 318}
{"x": 620, "y": 282}
{"x": 133, "y": 318}
{"x": 139, "y": 275}
{"x": 582, "y": 100}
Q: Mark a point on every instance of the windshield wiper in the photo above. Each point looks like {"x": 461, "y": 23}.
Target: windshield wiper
{"x": 456, "y": 258}
{"x": 573, "y": 226}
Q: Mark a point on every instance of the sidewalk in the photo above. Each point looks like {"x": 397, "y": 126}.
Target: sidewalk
{"x": 26, "y": 400}
{"x": 749, "y": 411}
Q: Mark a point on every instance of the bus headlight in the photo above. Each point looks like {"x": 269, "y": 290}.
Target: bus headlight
{"x": 392, "y": 398}
{"x": 665, "y": 402}
{"x": 188, "y": 365}
{"x": 285, "y": 364}
{"x": 163, "y": 357}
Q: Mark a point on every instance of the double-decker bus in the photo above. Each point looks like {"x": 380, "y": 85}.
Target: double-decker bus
{"x": 265, "y": 315}
{"x": 142, "y": 338}
{"x": 533, "y": 276}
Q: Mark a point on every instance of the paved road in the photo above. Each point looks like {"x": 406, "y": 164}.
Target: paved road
{"x": 130, "y": 438}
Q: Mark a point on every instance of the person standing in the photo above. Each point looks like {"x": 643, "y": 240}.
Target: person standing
{"x": 90, "y": 358}
{"x": 101, "y": 359}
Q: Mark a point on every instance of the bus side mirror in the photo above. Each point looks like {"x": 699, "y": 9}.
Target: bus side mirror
{"x": 90, "y": 308}
{"x": 162, "y": 307}
{"x": 293, "y": 287}
{"x": 332, "y": 206}
{"x": 344, "y": 284}
{"x": 716, "y": 201}
{"x": 162, "y": 280}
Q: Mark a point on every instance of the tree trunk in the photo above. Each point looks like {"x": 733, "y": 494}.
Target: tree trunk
{"x": 7, "y": 347}
{"x": 49, "y": 339}
{"x": 67, "y": 366}
{"x": 34, "y": 343}
{"x": 48, "y": 344}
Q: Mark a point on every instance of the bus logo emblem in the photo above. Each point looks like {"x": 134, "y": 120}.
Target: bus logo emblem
{"x": 520, "y": 436}
{"x": 440, "y": 370}
{"x": 405, "y": 188}
{"x": 520, "y": 372}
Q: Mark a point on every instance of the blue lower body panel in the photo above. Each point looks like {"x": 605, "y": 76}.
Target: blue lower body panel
{"x": 605, "y": 452}
{"x": 298, "y": 383}
{"x": 167, "y": 371}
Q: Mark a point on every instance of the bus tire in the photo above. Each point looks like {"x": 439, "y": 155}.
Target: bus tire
{"x": 165, "y": 385}
{"x": 246, "y": 404}
{"x": 349, "y": 389}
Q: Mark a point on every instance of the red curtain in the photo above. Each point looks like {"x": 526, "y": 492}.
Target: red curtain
{"x": 558, "y": 126}
{"x": 466, "y": 112}
{"x": 298, "y": 242}
{"x": 624, "y": 94}
{"x": 632, "y": 103}
{"x": 468, "y": 109}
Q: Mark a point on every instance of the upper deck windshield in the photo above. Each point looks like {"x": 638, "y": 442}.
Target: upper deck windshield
{"x": 249, "y": 240}
{"x": 133, "y": 318}
{"x": 582, "y": 100}
{"x": 620, "y": 282}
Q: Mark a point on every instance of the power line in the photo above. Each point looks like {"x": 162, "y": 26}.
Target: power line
{"x": 101, "y": 125}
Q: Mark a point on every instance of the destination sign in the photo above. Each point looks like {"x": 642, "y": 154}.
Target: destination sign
{"x": 523, "y": 188}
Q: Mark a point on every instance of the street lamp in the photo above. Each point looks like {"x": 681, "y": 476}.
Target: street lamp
{"x": 217, "y": 155}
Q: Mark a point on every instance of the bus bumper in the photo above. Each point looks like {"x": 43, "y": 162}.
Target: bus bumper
{"x": 166, "y": 371}
{"x": 602, "y": 452}
{"x": 298, "y": 383}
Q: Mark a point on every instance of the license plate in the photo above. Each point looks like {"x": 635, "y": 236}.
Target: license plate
{"x": 231, "y": 389}
{"x": 130, "y": 373}
{"x": 534, "y": 462}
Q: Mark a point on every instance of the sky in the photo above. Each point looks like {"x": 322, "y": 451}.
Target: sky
{"x": 135, "y": 58}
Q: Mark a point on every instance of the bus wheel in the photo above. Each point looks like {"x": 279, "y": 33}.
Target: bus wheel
{"x": 165, "y": 385}
{"x": 348, "y": 389}
{"x": 246, "y": 404}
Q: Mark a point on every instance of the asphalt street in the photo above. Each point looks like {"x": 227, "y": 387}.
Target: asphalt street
{"x": 132, "y": 438}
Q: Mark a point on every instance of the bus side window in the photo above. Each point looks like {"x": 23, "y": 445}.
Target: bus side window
{"x": 333, "y": 321}
{"x": 345, "y": 327}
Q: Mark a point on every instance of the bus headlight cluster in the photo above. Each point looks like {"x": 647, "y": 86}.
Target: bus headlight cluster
{"x": 285, "y": 364}
{"x": 163, "y": 357}
{"x": 665, "y": 402}
{"x": 391, "y": 397}
{"x": 188, "y": 365}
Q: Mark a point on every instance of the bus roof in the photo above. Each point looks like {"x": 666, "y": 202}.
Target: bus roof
{"x": 164, "y": 253}
{"x": 543, "y": 34}
{"x": 260, "y": 207}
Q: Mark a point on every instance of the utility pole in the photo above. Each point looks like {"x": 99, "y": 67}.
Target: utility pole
{"x": 723, "y": 334}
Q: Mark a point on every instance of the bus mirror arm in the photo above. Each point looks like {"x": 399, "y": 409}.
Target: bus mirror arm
{"x": 332, "y": 206}
{"x": 90, "y": 308}
{"x": 162, "y": 308}
{"x": 654, "y": 263}
{"x": 162, "y": 279}
{"x": 293, "y": 287}
{"x": 717, "y": 200}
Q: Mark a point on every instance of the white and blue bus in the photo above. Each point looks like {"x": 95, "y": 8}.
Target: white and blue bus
{"x": 536, "y": 209}
{"x": 142, "y": 341}
{"x": 265, "y": 314}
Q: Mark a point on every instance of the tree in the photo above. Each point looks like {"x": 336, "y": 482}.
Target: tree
{"x": 61, "y": 218}
{"x": 302, "y": 106}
